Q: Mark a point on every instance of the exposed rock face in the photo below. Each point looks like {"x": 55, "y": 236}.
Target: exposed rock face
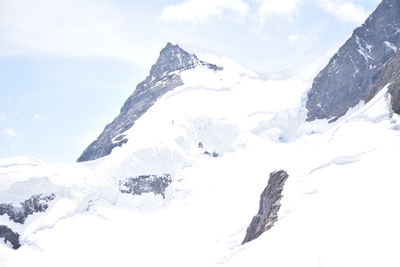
{"x": 164, "y": 77}
{"x": 394, "y": 90}
{"x": 390, "y": 74}
{"x": 347, "y": 78}
{"x": 9, "y": 236}
{"x": 37, "y": 203}
{"x": 269, "y": 206}
{"x": 156, "y": 184}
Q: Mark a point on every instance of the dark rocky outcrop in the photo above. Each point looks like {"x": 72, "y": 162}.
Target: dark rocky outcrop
{"x": 269, "y": 206}
{"x": 156, "y": 184}
{"x": 9, "y": 236}
{"x": 164, "y": 76}
{"x": 37, "y": 203}
{"x": 394, "y": 90}
{"x": 347, "y": 78}
{"x": 390, "y": 74}
{"x": 214, "y": 154}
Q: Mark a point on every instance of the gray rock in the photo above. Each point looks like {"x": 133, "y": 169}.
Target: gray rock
{"x": 214, "y": 154}
{"x": 269, "y": 206}
{"x": 347, "y": 78}
{"x": 9, "y": 236}
{"x": 37, "y": 203}
{"x": 389, "y": 74}
{"x": 156, "y": 184}
{"x": 394, "y": 90}
{"x": 164, "y": 77}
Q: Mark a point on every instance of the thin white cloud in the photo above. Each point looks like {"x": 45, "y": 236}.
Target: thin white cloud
{"x": 38, "y": 117}
{"x": 3, "y": 116}
{"x": 280, "y": 8}
{"x": 72, "y": 28}
{"x": 9, "y": 133}
{"x": 345, "y": 10}
{"x": 200, "y": 11}
{"x": 293, "y": 38}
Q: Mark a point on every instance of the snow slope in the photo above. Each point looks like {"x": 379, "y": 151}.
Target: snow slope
{"x": 339, "y": 206}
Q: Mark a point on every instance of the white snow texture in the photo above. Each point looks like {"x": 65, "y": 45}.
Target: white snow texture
{"x": 339, "y": 205}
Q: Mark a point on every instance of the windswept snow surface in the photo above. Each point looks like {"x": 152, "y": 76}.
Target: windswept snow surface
{"x": 339, "y": 206}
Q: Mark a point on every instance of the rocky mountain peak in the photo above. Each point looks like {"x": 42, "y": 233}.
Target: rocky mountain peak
{"x": 173, "y": 58}
{"x": 346, "y": 80}
{"x": 164, "y": 76}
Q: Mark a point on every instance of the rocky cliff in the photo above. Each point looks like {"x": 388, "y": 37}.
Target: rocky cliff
{"x": 164, "y": 76}
{"x": 347, "y": 78}
{"x": 389, "y": 75}
{"x": 269, "y": 206}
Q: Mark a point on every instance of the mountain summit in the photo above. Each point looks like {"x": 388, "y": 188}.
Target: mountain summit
{"x": 164, "y": 77}
{"x": 347, "y": 78}
{"x": 174, "y": 58}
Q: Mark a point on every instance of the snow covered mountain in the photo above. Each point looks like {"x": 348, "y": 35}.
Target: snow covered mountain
{"x": 218, "y": 165}
{"x": 164, "y": 76}
{"x": 347, "y": 79}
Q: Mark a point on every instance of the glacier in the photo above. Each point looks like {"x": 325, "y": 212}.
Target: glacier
{"x": 338, "y": 207}
{"x": 211, "y": 164}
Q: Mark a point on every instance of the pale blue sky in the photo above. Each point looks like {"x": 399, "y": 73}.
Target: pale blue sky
{"x": 67, "y": 66}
